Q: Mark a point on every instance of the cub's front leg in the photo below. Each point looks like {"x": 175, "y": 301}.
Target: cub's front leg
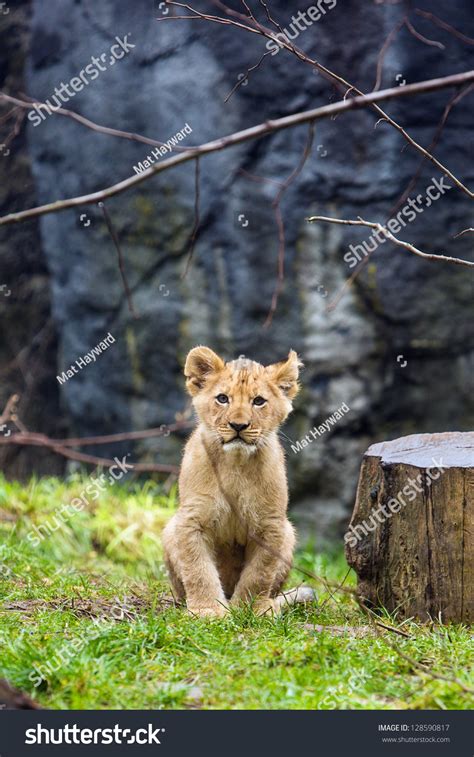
{"x": 190, "y": 555}
{"x": 268, "y": 559}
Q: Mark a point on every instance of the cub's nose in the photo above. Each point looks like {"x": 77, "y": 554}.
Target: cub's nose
{"x": 239, "y": 426}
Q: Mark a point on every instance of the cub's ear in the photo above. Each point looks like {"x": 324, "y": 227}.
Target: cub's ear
{"x": 285, "y": 374}
{"x": 200, "y": 363}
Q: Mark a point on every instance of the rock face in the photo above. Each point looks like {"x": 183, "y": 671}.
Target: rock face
{"x": 397, "y": 348}
{"x": 28, "y": 335}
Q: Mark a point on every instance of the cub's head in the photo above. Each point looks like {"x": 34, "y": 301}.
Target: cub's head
{"x": 241, "y": 401}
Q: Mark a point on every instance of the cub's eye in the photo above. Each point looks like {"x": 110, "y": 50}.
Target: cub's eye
{"x": 222, "y": 399}
{"x": 259, "y": 401}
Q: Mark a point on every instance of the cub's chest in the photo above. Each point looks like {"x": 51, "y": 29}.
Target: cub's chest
{"x": 233, "y": 519}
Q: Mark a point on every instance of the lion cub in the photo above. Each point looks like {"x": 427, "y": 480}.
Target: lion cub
{"x": 230, "y": 540}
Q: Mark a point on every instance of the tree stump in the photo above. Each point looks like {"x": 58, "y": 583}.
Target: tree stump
{"x": 411, "y": 536}
{"x": 12, "y": 699}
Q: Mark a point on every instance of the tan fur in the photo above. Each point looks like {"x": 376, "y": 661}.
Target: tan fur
{"x": 230, "y": 540}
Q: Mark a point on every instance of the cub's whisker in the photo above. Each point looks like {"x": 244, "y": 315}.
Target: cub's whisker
{"x": 282, "y": 433}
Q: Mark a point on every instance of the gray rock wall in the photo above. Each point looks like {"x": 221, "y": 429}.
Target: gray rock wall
{"x": 178, "y": 73}
{"x": 28, "y": 335}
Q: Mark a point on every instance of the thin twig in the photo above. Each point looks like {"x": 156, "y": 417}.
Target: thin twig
{"x": 247, "y": 8}
{"x": 206, "y": 17}
{"x": 259, "y": 179}
{"x": 465, "y": 231}
{"x": 121, "y": 262}
{"x": 123, "y": 436}
{"x": 41, "y": 440}
{"x": 443, "y": 25}
{"x": 9, "y": 408}
{"x": 196, "y": 217}
{"x": 276, "y": 205}
{"x": 272, "y": 20}
{"x": 406, "y": 245}
{"x": 421, "y": 37}
{"x": 414, "y": 663}
{"x": 245, "y": 77}
{"x": 8, "y": 115}
{"x": 397, "y": 631}
{"x": 383, "y": 52}
{"x": 335, "y": 590}
{"x": 62, "y": 446}
{"x": 428, "y": 672}
{"x": 19, "y": 117}
{"x": 405, "y": 21}
{"x": 30, "y": 104}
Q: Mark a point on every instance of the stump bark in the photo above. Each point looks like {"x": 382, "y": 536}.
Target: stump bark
{"x": 411, "y": 536}
{"x": 12, "y": 699}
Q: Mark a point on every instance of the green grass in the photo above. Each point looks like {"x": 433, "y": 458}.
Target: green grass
{"x": 62, "y": 640}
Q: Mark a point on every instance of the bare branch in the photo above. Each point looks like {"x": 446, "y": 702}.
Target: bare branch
{"x": 30, "y": 104}
{"x": 41, "y": 440}
{"x": 247, "y": 8}
{"x": 465, "y": 231}
{"x": 269, "y": 17}
{"x": 196, "y": 217}
{"x": 9, "y": 409}
{"x": 255, "y": 132}
{"x": 443, "y": 25}
{"x": 406, "y": 245}
{"x": 249, "y": 71}
{"x": 8, "y": 115}
{"x": 206, "y": 17}
{"x": 149, "y": 433}
{"x": 121, "y": 262}
{"x": 19, "y": 116}
{"x": 347, "y": 284}
{"x": 383, "y": 52}
{"x": 417, "y": 35}
{"x": 327, "y": 73}
{"x": 276, "y": 204}
{"x": 62, "y": 446}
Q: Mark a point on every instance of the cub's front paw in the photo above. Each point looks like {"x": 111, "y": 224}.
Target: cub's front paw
{"x": 212, "y": 611}
{"x": 265, "y": 606}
